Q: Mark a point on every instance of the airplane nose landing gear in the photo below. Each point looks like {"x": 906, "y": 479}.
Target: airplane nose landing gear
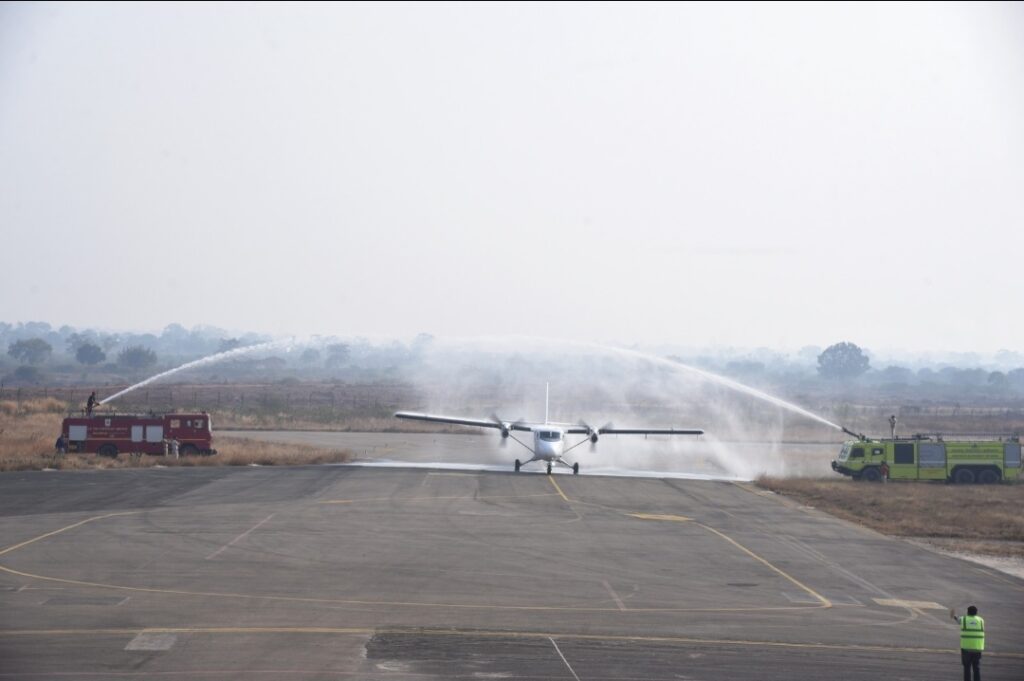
{"x": 549, "y": 468}
{"x": 518, "y": 464}
{"x": 576, "y": 468}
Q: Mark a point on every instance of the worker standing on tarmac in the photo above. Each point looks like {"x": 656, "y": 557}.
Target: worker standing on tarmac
{"x": 972, "y": 641}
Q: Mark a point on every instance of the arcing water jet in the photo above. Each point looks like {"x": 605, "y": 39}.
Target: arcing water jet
{"x": 211, "y": 359}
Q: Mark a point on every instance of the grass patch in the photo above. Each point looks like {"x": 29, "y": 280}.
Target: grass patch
{"x": 970, "y": 518}
{"x": 351, "y": 424}
{"x": 238, "y": 451}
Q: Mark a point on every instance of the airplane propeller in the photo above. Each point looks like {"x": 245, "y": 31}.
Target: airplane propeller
{"x": 506, "y": 427}
{"x": 593, "y": 434}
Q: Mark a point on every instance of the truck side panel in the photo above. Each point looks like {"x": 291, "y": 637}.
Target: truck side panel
{"x": 1011, "y": 461}
{"x": 932, "y": 460}
{"x": 974, "y": 455}
{"x": 902, "y": 460}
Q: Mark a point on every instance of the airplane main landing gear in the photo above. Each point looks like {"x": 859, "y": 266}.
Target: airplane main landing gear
{"x": 576, "y": 468}
{"x": 549, "y": 468}
{"x": 518, "y": 464}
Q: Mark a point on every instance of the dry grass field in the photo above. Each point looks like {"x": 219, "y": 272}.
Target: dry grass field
{"x": 972, "y": 518}
{"x": 354, "y": 424}
{"x": 29, "y": 428}
{"x": 368, "y": 407}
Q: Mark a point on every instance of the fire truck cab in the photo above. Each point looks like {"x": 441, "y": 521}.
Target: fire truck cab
{"x": 111, "y": 434}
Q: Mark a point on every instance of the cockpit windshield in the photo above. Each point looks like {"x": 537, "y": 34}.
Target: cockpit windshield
{"x": 550, "y": 435}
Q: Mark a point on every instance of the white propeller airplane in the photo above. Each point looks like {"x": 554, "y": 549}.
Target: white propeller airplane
{"x": 549, "y": 439}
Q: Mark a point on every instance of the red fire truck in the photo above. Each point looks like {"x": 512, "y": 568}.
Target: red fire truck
{"x": 111, "y": 434}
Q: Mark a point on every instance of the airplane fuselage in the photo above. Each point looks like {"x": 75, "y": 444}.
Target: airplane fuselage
{"x": 548, "y": 443}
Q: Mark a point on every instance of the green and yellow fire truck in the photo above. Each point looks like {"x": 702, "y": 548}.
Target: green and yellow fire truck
{"x": 930, "y": 458}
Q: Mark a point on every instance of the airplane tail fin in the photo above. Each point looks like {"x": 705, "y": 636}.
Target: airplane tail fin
{"x": 547, "y": 395}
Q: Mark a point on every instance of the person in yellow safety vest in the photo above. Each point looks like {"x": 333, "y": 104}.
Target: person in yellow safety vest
{"x": 972, "y": 641}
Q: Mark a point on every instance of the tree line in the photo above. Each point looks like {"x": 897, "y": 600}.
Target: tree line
{"x": 39, "y": 351}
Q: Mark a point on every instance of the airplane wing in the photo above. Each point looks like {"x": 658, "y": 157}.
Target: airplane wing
{"x": 651, "y": 431}
{"x": 457, "y": 420}
{"x": 611, "y": 430}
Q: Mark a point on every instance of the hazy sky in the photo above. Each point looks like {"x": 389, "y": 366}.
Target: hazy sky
{"x": 773, "y": 175}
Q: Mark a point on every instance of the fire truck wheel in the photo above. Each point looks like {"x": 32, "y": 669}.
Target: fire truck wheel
{"x": 988, "y": 477}
{"x": 108, "y": 450}
{"x": 871, "y": 474}
{"x": 963, "y": 476}
{"x": 189, "y": 450}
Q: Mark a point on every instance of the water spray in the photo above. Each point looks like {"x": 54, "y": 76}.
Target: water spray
{"x": 721, "y": 380}
{"x": 211, "y": 359}
{"x": 551, "y": 354}
{"x": 708, "y": 376}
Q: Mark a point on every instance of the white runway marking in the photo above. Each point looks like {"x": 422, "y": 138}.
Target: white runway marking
{"x": 571, "y": 670}
{"x": 919, "y": 605}
{"x": 241, "y": 536}
{"x": 615, "y": 596}
{"x": 146, "y": 641}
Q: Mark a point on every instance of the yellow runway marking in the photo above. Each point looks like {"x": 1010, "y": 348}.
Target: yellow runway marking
{"x": 653, "y": 516}
{"x": 560, "y": 492}
{"x": 364, "y": 631}
{"x": 63, "y": 529}
{"x": 825, "y": 603}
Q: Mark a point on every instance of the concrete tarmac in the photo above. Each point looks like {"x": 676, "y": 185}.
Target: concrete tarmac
{"x": 618, "y": 455}
{"x": 348, "y": 572}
